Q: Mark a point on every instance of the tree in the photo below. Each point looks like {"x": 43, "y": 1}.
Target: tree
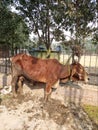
{"x": 13, "y": 30}
{"x": 80, "y": 21}
{"x": 43, "y": 19}
{"x": 95, "y": 29}
{"x": 50, "y": 18}
{"x": 80, "y": 15}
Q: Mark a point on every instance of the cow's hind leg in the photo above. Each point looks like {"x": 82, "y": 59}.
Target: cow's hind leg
{"x": 14, "y": 85}
{"x": 20, "y": 85}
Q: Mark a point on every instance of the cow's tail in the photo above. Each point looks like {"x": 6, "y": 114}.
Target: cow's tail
{"x": 11, "y": 59}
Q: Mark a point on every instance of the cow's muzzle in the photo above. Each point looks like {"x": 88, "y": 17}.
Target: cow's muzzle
{"x": 86, "y": 80}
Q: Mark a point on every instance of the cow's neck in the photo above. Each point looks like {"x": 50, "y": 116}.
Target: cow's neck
{"x": 66, "y": 71}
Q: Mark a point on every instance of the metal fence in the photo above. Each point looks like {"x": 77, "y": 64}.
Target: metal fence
{"x": 89, "y": 61}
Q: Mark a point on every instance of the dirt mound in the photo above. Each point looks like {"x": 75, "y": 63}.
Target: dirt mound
{"x": 28, "y": 112}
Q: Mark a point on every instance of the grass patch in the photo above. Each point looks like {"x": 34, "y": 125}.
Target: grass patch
{"x": 5, "y": 97}
{"x": 92, "y": 112}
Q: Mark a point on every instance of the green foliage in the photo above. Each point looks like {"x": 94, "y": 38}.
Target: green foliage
{"x": 95, "y": 38}
{"x": 44, "y": 19}
{"x": 13, "y": 30}
{"x": 80, "y": 14}
{"x": 92, "y": 112}
{"x": 49, "y": 19}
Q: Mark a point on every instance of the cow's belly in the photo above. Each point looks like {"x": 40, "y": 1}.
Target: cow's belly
{"x": 37, "y": 76}
{"x": 42, "y": 79}
{"x": 42, "y": 75}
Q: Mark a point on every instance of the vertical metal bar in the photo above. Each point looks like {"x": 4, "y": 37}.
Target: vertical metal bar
{"x": 96, "y": 70}
{"x": 5, "y": 65}
{"x": 63, "y": 57}
{"x": 90, "y": 63}
{"x": 84, "y": 59}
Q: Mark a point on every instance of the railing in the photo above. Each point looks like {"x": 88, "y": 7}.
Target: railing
{"x": 90, "y": 62}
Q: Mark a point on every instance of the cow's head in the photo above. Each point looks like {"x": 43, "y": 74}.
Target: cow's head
{"x": 77, "y": 70}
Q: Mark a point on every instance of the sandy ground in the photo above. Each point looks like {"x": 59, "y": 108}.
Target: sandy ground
{"x": 62, "y": 112}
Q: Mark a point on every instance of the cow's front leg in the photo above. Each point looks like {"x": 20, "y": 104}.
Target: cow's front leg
{"x": 48, "y": 92}
{"x": 73, "y": 71}
{"x": 14, "y": 85}
{"x": 49, "y": 86}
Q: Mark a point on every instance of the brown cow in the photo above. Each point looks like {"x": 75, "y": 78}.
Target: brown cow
{"x": 48, "y": 71}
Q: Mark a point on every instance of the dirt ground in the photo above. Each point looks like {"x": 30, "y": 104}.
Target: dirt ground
{"x": 28, "y": 112}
